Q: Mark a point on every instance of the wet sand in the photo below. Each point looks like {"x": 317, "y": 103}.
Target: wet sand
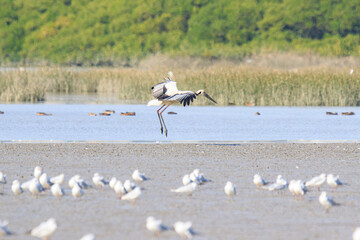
{"x": 253, "y": 214}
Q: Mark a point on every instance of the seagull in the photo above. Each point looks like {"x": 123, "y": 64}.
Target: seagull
{"x": 16, "y": 188}
{"x": 38, "y": 171}
{"x": 89, "y": 236}
{"x": 45, "y": 229}
{"x": 79, "y": 180}
{"x": 57, "y": 191}
{"x": 333, "y": 181}
{"x": 155, "y": 226}
{"x": 317, "y": 181}
{"x": 35, "y": 187}
{"x": 3, "y": 179}
{"x": 188, "y": 189}
{"x": 45, "y": 181}
{"x": 259, "y": 181}
{"x": 119, "y": 188}
{"x": 59, "y": 179}
{"x": 131, "y": 196}
{"x": 166, "y": 94}
{"x": 129, "y": 186}
{"x": 138, "y": 176}
{"x": 198, "y": 177}
{"x": 112, "y": 182}
{"x": 230, "y": 189}
{"x": 356, "y": 234}
{"x": 25, "y": 185}
{"x": 326, "y": 201}
{"x": 76, "y": 191}
{"x": 99, "y": 180}
{"x": 186, "y": 179}
{"x": 297, "y": 188}
{"x": 184, "y": 229}
{"x": 280, "y": 184}
{"x": 4, "y": 231}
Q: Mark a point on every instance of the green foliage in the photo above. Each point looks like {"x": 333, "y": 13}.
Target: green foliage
{"x": 95, "y": 32}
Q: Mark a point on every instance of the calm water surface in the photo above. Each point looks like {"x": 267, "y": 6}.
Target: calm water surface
{"x": 70, "y": 122}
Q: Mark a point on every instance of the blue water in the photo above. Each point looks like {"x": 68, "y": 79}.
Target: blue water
{"x": 70, "y": 122}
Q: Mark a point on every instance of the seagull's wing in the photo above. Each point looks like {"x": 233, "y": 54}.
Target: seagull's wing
{"x": 160, "y": 90}
{"x": 183, "y": 97}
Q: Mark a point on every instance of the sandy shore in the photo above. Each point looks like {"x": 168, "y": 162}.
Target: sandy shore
{"x": 252, "y": 214}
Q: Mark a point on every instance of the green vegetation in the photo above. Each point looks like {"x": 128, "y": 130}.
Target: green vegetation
{"x": 226, "y": 84}
{"x": 117, "y": 32}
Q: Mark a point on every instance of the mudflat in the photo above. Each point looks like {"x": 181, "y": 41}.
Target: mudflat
{"x": 253, "y": 214}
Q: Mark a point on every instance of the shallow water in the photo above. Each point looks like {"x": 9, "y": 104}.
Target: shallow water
{"x": 71, "y": 122}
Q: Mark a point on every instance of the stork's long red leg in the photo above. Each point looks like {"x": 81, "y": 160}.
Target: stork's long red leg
{"x": 163, "y": 119}
{"x": 160, "y": 118}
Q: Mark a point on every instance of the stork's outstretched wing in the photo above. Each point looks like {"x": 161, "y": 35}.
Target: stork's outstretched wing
{"x": 165, "y": 89}
{"x": 183, "y": 97}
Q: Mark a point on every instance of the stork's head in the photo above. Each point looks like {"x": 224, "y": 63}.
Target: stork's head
{"x": 202, "y": 92}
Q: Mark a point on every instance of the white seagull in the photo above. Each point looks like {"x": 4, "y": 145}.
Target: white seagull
{"x": 166, "y": 94}
{"x": 356, "y": 234}
{"x": 119, "y": 189}
{"x": 188, "y": 189}
{"x": 317, "y": 181}
{"x": 230, "y": 189}
{"x": 186, "y": 179}
{"x": 57, "y": 191}
{"x": 89, "y": 236}
{"x": 78, "y": 180}
{"x": 45, "y": 230}
{"x": 38, "y": 171}
{"x": 326, "y": 201}
{"x": 280, "y": 184}
{"x": 131, "y": 196}
{"x": 59, "y": 179}
{"x": 297, "y": 188}
{"x": 76, "y": 191}
{"x": 112, "y": 182}
{"x": 155, "y": 226}
{"x": 259, "y": 181}
{"x": 129, "y": 186}
{"x": 45, "y": 181}
{"x": 4, "y": 231}
{"x": 35, "y": 187}
{"x": 16, "y": 188}
{"x": 138, "y": 176}
{"x": 333, "y": 181}
{"x": 99, "y": 180}
{"x": 184, "y": 229}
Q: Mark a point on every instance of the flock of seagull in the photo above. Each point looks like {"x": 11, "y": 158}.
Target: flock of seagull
{"x": 131, "y": 191}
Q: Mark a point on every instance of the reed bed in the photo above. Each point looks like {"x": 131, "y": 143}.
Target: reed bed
{"x": 228, "y": 85}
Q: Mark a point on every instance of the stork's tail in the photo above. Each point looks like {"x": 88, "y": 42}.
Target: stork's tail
{"x": 154, "y": 102}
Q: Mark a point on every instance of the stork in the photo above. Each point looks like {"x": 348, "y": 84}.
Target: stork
{"x": 166, "y": 94}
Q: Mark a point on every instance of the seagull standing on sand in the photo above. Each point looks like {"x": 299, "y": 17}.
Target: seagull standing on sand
{"x": 280, "y": 184}
{"x": 297, "y": 188}
{"x": 188, "y": 189}
{"x": 317, "y": 181}
{"x": 3, "y": 179}
{"x": 45, "y": 181}
{"x": 129, "y": 186}
{"x": 89, "y": 236}
{"x": 76, "y": 191}
{"x": 45, "y": 230}
{"x": 57, "y": 191}
{"x": 184, "y": 229}
{"x": 356, "y": 234}
{"x": 333, "y": 181}
{"x": 4, "y": 231}
{"x": 166, "y": 94}
{"x": 99, "y": 180}
{"x": 119, "y": 189}
{"x": 138, "y": 176}
{"x": 16, "y": 188}
{"x": 326, "y": 201}
{"x": 112, "y": 182}
{"x": 35, "y": 187}
{"x": 131, "y": 196}
{"x": 259, "y": 181}
{"x": 155, "y": 226}
{"x": 59, "y": 179}
{"x": 78, "y": 180}
{"x": 230, "y": 189}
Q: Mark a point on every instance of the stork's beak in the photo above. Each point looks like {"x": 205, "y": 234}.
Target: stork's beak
{"x": 207, "y": 96}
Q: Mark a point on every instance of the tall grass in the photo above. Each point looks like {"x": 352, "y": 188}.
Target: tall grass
{"x": 226, "y": 84}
